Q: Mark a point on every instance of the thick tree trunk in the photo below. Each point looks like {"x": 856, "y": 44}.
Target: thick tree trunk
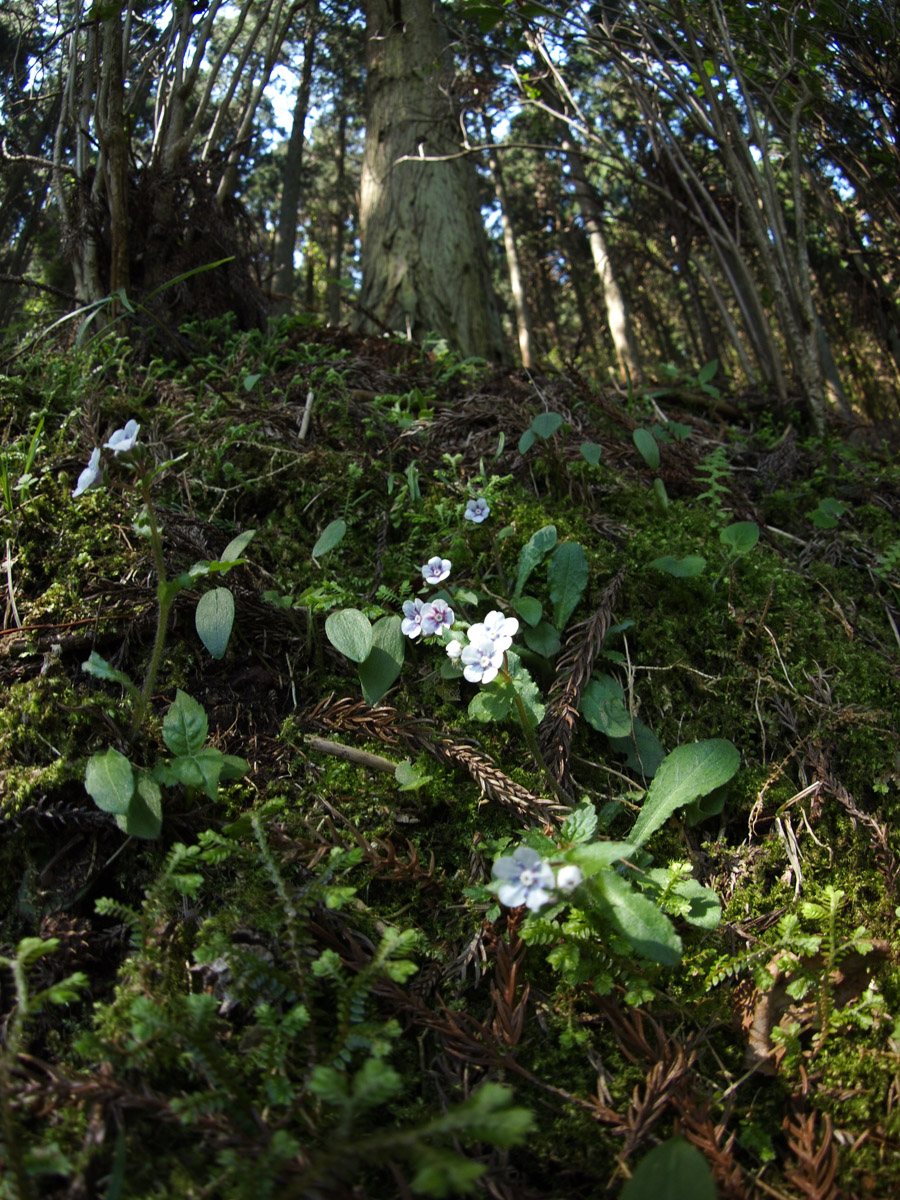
{"x": 424, "y": 250}
{"x": 338, "y": 229}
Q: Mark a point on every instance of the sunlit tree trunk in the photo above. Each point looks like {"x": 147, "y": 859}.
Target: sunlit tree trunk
{"x": 424, "y": 249}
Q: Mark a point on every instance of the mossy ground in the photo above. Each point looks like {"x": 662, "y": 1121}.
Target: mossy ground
{"x": 188, "y": 1067}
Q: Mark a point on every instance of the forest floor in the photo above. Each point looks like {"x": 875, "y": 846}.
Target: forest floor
{"x": 305, "y": 985}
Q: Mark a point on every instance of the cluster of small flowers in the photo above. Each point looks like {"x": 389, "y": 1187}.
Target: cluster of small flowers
{"x": 121, "y": 441}
{"x": 431, "y": 617}
{"x": 526, "y": 878}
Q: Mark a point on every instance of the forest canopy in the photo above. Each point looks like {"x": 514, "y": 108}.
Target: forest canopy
{"x": 617, "y": 186}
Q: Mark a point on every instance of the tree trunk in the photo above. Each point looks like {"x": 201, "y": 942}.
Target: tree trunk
{"x": 338, "y": 229}
{"x": 516, "y": 285}
{"x": 616, "y": 310}
{"x": 292, "y": 178}
{"x": 424, "y": 250}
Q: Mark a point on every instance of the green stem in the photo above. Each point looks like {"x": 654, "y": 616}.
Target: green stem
{"x": 531, "y": 739}
{"x": 165, "y": 599}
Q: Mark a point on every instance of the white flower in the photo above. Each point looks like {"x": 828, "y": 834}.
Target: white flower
{"x": 411, "y": 624}
{"x": 481, "y": 658}
{"x": 436, "y": 570}
{"x": 124, "y": 439}
{"x": 568, "y": 878}
{"x": 477, "y": 510}
{"x": 525, "y": 879}
{"x": 436, "y": 617}
{"x": 454, "y": 648}
{"x": 501, "y": 630}
{"x": 90, "y": 476}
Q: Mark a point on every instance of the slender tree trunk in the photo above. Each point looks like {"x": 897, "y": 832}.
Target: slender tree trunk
{"x": 338, "y": 228}
{"x": 424, "y": 249}
{"x": 292, "y": 177}
{"x": 516, "y": 284}
{"x": 616, "y": 310}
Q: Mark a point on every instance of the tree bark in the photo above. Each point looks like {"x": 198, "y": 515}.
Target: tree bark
{"x": 424, "y": 249}
{"x": 338, "y": 228}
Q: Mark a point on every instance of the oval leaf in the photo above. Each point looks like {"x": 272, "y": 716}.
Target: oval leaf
{"x": 681, "y": 568}
{"x": 384, "y": 661}
{"x": 742, "y": 536}
{"x": 350, "y": 632}
{"x": 546, "y": 424}
{"x": 109, "y": 781}
{"x": 688, "y": 772}
{"x": 237, "y": 546}
{"x": 675, "y": 1170}
{"x": 214, "y": 619}
{"x": 329, "y": 537}
{"x": 567, "y": 576}
{"x": 591, "y": 452}
{"x": 646, "y": 446}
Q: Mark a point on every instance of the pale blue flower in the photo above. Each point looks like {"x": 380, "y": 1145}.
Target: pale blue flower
{"x": 436, "y": 617}
{"x": 436, "y": 570}
{"x": 90, "y": 476}
{"x": 500, "y": 629}
{"x": 454, "y": 648}
{"x": 411, "y": 624}
{"x": 524, "y": 878}
{"x": 477, "y": 510}
{"x": 124, "y": 439}
{"x": 481, "y": 658}
{"x": 568, "y": 878}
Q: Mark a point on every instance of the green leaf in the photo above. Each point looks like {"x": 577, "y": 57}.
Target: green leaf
{"x": 660, "y": 494}
{"x": 237, "y": 546}
{"x": 109, "y": 780}
{"x": 492, "y": 703}
{"x": 526, "y": 441}
{"x": 185, "y": 725}
{"x": 708, "y": 371}
{"x": 591, "y": 452}
{"x": 546, "y": 424}
{"x": 593, "y": 857}
{"x": 214, "y": 618}
{"x": 409, "y": 777}
{"x": 533, "y": 552}
{"x": 527, "y": 690}
{"x": 603, "y": 706}
{"x": 329, "y": 537}
{"x": 648, "y": 930}
{"x": 567, "y": 575}
{"x": 350, "y": 632}
{"x": 384, "y": 662}
{"x": 688, "y": 772}
{"x": 202, "y": 769}
{"x": 233, "y": 767}
{"x": 642, "y": 749}
{"x": 681, "y": 568}
{"x": 144, "y": 816}
{"x": 675, "y": 1170}
{"x": 528, "y": 608}
{"x": 647, "y": 447}
{"x": 543, "y": 639}
{"x": 740, "y": 537}
{"x": 580, "y": 824}
{"x": 250, "y": 381}
{"x": 100, "y": 669}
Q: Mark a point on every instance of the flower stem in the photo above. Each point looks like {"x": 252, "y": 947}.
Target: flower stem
{"x": 531, "y": 739}
{"x": 165, "y": 598}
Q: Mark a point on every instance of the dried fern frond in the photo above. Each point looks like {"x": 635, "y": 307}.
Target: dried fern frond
{"x": 572, "y": 673}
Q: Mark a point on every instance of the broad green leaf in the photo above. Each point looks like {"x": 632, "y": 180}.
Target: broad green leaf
{"x": 237, "y": 546}
{"x": 546, "y": 424}
{"x": 591, "y": 452}
{"x": 202, "y": 770}
{"x": 384, "y": 662}
{"x": 681, "y": 568}
{"x": 675, "y": 1170}
{"x": 647, "y": 447}
{"x": 492, "y": 703}
{"x": 185, "y": 725}
{"x": 109, "y": 780}
{"x": 567, "y": 575}
{"x": 642, "y": 749}
{"x": 580, "y": 824}
{"x": 592, "y": 857}
{"x": 648, "y": 930}
{"x": 528, "y": 608}
{"x": 233, "y": 767}
{"x": 350, "y": 632}
{"x": 532, "y": 553}
{"x": 101, "y": 669}
{"x": 543, "y": 639}
{"x": 250, "y": 381}
{"x": 527, "y": 691}
{"x": 741, "y": 537}
{"x": 329, "y": 537}
{"x": 688, "y": 772}
{"x": 144, "y": 816}
{"x": 526, "y": 441}
{"x": 214, "y": 618}
{"x": 660, "y": 494}
{"x": 603, "y": 706}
